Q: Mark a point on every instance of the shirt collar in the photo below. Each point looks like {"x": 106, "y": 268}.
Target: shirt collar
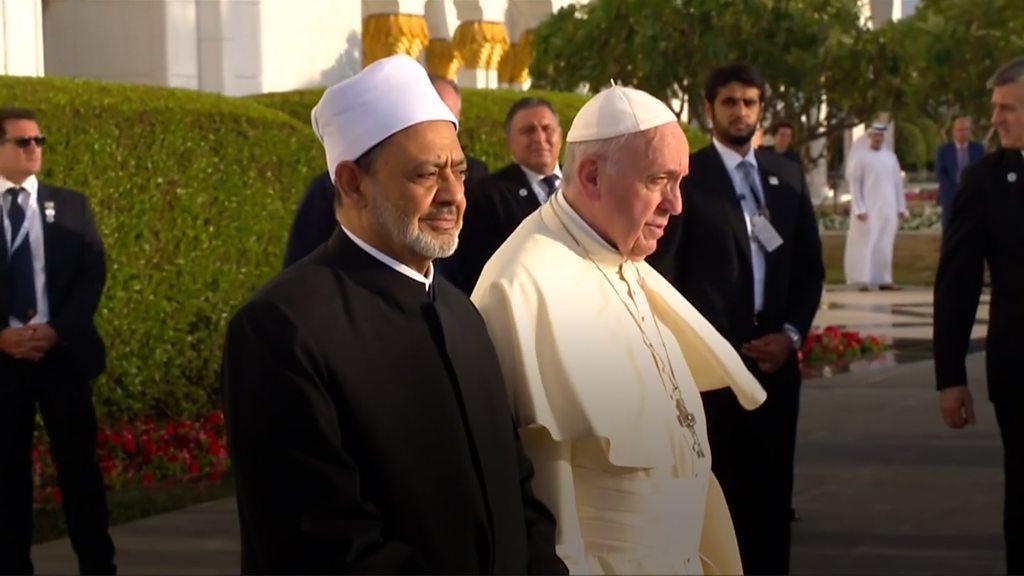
{"x": 31, "y": 184}
{"x": 392, "y": 263}
{"x": 731, "y": 158}
{"x": 602, "y": 252}
{"x": 534, "y": 177}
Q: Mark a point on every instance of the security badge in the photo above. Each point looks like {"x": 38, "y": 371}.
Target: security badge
{"x": 50, "y": 211}
{"x": 522, "y": 192}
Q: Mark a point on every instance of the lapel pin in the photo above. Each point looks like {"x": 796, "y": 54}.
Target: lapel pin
{"x": 1011, "y": 177}
{"x": 773, "y": 180}
{"x": 50, "y": 210}
{"x": 522, "y": 192}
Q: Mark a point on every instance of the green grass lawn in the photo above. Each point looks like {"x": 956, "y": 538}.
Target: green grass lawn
{"x": 915, "y": 257}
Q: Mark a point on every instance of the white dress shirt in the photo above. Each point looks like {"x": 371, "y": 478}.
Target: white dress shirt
{"x": 34, "y": 220}
{"x": 394, "y": 264}
{"x": 732, "y": 160}
{"x": 538, "y": 189}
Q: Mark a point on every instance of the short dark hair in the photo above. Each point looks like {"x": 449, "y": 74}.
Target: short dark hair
{"x": 525, "y": 104}
{"x": 14, "y": 114}
{"x": 739, "y": 72}
{"x": 781, "y": 124}
{"x": 1009, "y": 73}
{"x": 436, "y": 79}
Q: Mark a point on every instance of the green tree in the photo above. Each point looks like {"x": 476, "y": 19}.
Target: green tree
{"x": 910, "y": 146}
{"x": 950, "y": 48}
{"x": 826, "y": 71}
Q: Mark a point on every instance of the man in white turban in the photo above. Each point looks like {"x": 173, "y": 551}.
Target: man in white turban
{"x": 877, "y": 206}
{"x": 366, "y": 415}
{"x": 604, "y": 360}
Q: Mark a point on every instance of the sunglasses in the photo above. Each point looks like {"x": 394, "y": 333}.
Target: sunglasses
{"x": 24, "y": 141}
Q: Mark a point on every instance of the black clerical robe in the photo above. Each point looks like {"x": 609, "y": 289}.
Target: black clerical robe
{"x": 370, "y": 430}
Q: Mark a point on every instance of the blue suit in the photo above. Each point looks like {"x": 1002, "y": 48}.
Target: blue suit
{"x": 946, "y": 171}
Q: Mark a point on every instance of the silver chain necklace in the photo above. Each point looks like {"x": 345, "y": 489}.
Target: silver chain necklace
{"x": 667, "y": 374}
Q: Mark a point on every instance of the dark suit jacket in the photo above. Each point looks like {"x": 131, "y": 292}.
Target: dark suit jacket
{"x": 705, "y": 252}
{"x": 494, "y": 209}
{"x": 986, "y": 228}
{"x": 370, "y": 430}
{"x": 945, "y": 171}
{"x": 75, "y": 275}
{"x": 315, "y": 220}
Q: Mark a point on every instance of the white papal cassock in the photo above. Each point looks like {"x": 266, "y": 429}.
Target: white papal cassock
{"x": 580, "y": 332}
{"x": 876, "y": 189}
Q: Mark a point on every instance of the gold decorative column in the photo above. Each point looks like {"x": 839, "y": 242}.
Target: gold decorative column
{"x": 389, "y": 34}
{"x": 442, "y": 59}
{"x": 481, "y": 44}
{"x": 515, "y": 64}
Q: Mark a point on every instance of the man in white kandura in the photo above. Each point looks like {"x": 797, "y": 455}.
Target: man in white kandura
{"x": 877, "y": 207}
{"x": 604, "y": 359}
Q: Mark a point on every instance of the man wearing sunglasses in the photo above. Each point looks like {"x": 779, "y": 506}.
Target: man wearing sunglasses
{"x": 52, "y": 273}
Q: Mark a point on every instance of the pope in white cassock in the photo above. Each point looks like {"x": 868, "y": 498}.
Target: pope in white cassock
{"x": 604, "y": 360}
{"x": 877, "y": 207}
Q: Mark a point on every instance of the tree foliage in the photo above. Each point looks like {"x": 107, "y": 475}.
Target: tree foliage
{"x": 826, "y": 71}
{"x": 950, "y": 48}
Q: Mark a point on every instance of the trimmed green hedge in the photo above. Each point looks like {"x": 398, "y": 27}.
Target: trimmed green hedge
{"x": 193, "y": 194}
{"x": 482, "y": 131}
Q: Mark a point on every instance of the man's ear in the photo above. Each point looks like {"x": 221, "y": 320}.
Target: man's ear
{"x": 348, "y": 181}
{"x": 709, "y": 112}
{"x": 588, "y": 175}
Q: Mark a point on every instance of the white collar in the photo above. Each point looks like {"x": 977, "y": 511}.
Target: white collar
{"x": 603, "y": 253}
{"x": 731, "y": 158}
{"x": 394, "y": 264}
{"x": 534, "y": 177}
{"x": 31, "y": 184}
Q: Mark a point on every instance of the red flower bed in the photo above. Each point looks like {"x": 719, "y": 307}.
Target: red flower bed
{"x": 832, "y": 345}
{"x": 147, "y": 453}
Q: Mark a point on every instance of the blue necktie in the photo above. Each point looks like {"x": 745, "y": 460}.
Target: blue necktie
{"x": 550, "y": 184}
{"x": 752, "y": 180}
{"x": 20, "y": 272}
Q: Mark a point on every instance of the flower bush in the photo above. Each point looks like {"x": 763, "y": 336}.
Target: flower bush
{"x": 147, "y": 453}
{"x": 831, "y": 345}
{"x": 922, "y": 216}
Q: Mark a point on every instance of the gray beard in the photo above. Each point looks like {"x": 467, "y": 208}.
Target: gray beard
{"x": 405, "y": 231}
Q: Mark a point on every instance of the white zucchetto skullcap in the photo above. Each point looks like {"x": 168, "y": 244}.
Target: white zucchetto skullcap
{"x": 878, "y": 127}
{"x": 618, "y": 111}
{"x": 386, "y": 97}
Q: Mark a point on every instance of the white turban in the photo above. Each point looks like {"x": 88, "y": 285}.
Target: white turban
{"x": 388, "y": 96}
{"x": 618, "y": 111}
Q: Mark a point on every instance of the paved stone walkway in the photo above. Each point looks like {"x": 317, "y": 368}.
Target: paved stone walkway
{"x": 881, "y": 484}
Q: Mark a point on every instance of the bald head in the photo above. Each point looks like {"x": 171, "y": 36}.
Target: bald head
{"x": 449, "y": 93}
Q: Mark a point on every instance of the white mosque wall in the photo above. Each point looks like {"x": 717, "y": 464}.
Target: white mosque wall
{"x": 234, "y": 47}
{"x": 21, "y": 38}
{"x": 307, "y": 43}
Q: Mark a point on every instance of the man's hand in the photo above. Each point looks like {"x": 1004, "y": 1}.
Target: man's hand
{"x": 20, "y": 344}
{"x": 863, "y": 217}
{"x": 44, "y": 337}
{"x": 770, "y": 351}
{"x": 957, "y": 406}
{"x": 903, "y": 216}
